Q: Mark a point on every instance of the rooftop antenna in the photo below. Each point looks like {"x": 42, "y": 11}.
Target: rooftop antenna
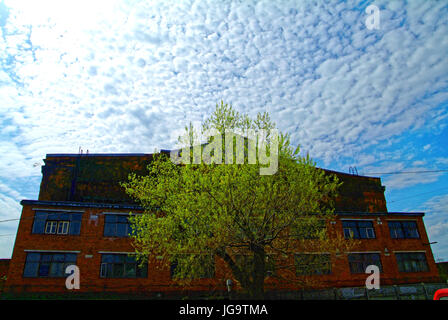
{"x": 353, "y": 170}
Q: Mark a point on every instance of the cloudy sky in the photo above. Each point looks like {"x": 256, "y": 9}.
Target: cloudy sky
{"x": 122, "y": 76}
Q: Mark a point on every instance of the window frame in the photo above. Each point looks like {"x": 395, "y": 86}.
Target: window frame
{"x": 404, "y": 231}
{"x": 50, "y": 225}
{"x": 365, "y": 262}
{"x": 358, "y": 229}
{"x": 309, "y": 230}
{"x": 49, "y": 263}
{"x": 400, "y": 261}
{"x": 325, "y": 267}
{"x": 116, "y": 225}
{"x": 141, "y": 272}
{"x": 208, "y": 274}
{"x": 45, "y": 218}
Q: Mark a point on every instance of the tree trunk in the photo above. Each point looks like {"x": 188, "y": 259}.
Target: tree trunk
{"x": 252, "y": 280}
{"x": 258, "y": 273}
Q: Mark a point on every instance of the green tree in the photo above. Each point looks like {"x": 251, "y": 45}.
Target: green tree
{"x": 254, "y": 223}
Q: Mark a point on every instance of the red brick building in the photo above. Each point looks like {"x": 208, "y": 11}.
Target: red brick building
{"x": 80, "y": 218}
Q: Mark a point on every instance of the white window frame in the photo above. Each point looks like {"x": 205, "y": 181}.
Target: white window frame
{"x": 50, "y": 224}
{"x": 65, "y": 227}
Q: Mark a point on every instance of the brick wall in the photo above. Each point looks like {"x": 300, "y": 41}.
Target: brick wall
{"x": 91, "y": 241}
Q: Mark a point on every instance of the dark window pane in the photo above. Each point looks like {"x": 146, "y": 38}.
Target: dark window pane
{"x": 109, "y": 229}
{"x": 121, "y": 258}
{"x": 59, "y": 257}
{"x": 122, "y": 219}
{"x": 130, "y": 270}
{"x": 363, "y": 233}
{"x": 107, "y": 258}
{"x": 76, "y": 217}
{"x": 118, "y": 270}
{"x": 312, "y": 264}
{"x": 142, "y": 271}
{"x": 110, "y": 218}
{"x": 360, "y": 261}
{"x": 122, "y": 229}
{"x": 365, "y": 224}
{"x": 131, "y": 259}
{"x": 30, "y": 269}
{"x": 44, "y": 268}
{"x": 64, "y": 216}
{"x": 53, "y": 216}
{"x": 56, "y": 269}
{"x": 39, "y": 222}
{"x": 33, "y": 256}
{"x": 75, "y": 227}
{"x": 46, "y": 257}
{"x": 70, "y": 257}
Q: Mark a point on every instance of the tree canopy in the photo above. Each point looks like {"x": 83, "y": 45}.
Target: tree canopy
{"x": 255, "y": 224}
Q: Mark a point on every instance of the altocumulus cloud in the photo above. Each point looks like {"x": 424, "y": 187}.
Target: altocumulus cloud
{"x": 121, "y": 76}
{"x": 437, "y": 224}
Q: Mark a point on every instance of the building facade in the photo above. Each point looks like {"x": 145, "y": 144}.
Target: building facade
{"x": 80, "y": 217}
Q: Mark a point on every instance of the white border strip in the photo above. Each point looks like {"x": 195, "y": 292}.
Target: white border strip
{"x": 120, "y": 213}
{"x": 62, "y": 251}
{"x": 115, "y": 252}
{"x": 400, "y": 219}
{"x": 58, "y": 210}
{"x": 364, "y": 252}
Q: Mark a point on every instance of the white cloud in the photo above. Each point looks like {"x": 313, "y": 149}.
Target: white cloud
{"x": 119, "y": 76}
{"x": 436, "y": 222}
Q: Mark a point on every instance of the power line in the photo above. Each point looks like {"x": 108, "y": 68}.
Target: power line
{"x": 12, "y": 220}
{"x": 418, "y": 194}
{"x": 407, "y": 172}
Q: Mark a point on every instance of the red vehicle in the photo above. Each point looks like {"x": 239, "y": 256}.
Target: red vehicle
{"x": 441, "y": 294}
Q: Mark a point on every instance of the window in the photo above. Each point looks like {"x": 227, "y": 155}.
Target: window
{"x": 360, "y": 261}
{"x": 403, "y": 230}
{"x": 412, "y": 262}
{"x": 358, "y": 229}
{"x": 245, "y": 262}
{"x": 51, "y": 265}
{"x": 56, "y": 223}
{"x": 309, "y": 229}
{"x": 204, "y": 264}
{"x": 312, "y": 264}
{"x": 117, "y": 225}
{"x": 122, "y": 266}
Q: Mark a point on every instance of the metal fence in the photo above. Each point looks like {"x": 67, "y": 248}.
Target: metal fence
{"x": 420, "y": 291}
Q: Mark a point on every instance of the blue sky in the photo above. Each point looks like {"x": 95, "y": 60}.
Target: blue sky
{"x": 123, "y": 76}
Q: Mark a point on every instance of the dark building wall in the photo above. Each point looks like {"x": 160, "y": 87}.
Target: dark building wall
{"x": 96, "y": 178}
{"x": 443, "y": 270}
{"x": 359, "y": 193}
{"x": 89, "y": 178}
{"x": 4, "y": 265}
